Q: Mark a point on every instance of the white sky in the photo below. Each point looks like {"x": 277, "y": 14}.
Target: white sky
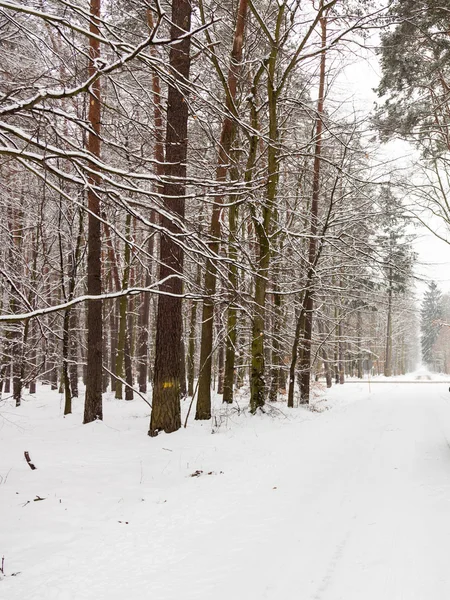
{"x": 355, "y": 84}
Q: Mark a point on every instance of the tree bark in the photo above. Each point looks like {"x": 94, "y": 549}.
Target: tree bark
{"x": 166, "y": 384}
{"x": 93, "y": 408}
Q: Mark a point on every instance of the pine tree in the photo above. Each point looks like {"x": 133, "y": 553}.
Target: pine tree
{"x": 415, "y": 61}
{"x": 431, "y": 313}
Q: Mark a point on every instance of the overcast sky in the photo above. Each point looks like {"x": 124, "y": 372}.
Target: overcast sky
{"x": 356, "y": 83}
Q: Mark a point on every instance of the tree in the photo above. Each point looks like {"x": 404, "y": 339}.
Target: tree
{"x": 431, "y": 314}
{"x": 93, "y": 404}
{"x": 308, "y": 301}
{"x": 227, "y": 136}
{"x": 415, "y": 84}
{"x": 167, "y": 376}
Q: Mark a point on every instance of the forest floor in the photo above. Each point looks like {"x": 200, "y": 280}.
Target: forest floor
{"x": 351, "y": 503}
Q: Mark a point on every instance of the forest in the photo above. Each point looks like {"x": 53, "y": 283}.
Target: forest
{"x": 213, "y": 216}
{"x": 190, "y": 207}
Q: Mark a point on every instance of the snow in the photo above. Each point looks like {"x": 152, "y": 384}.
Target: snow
{"x": 350, "y": 503}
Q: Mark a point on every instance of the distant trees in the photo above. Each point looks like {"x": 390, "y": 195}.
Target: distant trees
{"x": 441, "y": 346}
{"x": 397, "y": 259}
{"x": 415, "y": 105}
{"x": 430, "y": 325}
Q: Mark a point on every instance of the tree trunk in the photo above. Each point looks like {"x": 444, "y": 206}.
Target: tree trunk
{"x": 263, "y": 228}
{"x": 166, "y": 384}
{"x": 8, "y": 379}
{"x": 17, "y": 348}
{"x": 191, "y": 342}
{"x": 18, "y": 330}
{"x": 388, "y": 355}
{"x": 227, "y": 136}
{"x": 230, "y": 341}
{"x": 309, "y": 297}
{"x": 33, "y": 357}
{"x": 300, "y": 325}
{"x": 123, "y": 313}
{"x": 144, "y": 316}
{"x": 68, "y": 321}
{"x": 65, "y": 365}
{"x": 53, "y": 373}
{"x": 113, "y": 341}
{"x": 73, "y": 353}
{"x": 359, "y": 335}
{"x": 183, "y": 387}
{"x": 129, "y": 392}
{"x": 276, "y": 330}
{"x": 220, "y": 367}
{"x": 326, "y": 363}
{"x": 341, "y": 352}
{"x": 105, "y": 348}
{"x": 93, "y": 408}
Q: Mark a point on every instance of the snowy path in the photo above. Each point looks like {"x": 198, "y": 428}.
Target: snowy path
{"x": 351, "y": 504}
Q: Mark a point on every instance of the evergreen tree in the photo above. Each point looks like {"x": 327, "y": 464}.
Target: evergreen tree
{"x": 431, "y": 313}
{"x": 415, "y": 61}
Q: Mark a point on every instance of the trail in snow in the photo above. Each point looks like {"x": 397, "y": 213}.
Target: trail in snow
{"x": 350, "y": 504}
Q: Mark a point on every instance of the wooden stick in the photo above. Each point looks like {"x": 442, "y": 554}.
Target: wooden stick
{"x": 28, "y": 459}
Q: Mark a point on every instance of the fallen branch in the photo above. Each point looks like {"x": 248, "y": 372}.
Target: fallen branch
{"x": 28, "y": 459}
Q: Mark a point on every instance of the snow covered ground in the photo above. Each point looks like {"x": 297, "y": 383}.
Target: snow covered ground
{"x": 351, "y": 503}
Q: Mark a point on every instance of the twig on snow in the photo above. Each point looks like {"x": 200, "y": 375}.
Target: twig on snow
{"x": 28, "y": 459}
